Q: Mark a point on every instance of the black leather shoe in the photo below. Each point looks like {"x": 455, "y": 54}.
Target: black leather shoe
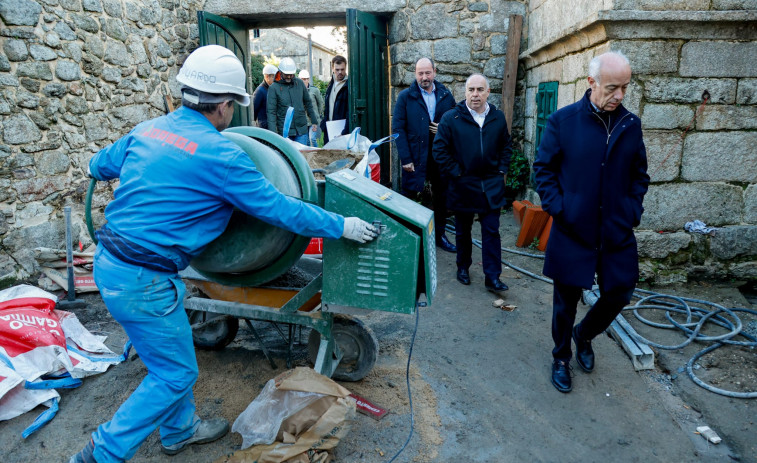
{"x": 495, "y": 286}
{"x": 463, "y": 276}
{"x": 561, "y": 376}
{"x": 584, "y": 352}
{"x": 445, "y": 244}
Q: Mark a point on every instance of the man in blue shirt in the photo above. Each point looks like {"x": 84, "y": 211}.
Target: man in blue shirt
{"x": 180, "y": 180}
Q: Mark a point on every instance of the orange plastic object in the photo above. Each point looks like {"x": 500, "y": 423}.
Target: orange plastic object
{"x": 519, "y": 208}
{"x": 544, "y": 235}
{"x": 534, "y": 220}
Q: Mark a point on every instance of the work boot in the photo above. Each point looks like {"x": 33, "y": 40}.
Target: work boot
{"x": 561, "y": 375}
{"x": 584, "y": 352}
{"x": 85, "y": 455}
{"x": 208, "y": 431}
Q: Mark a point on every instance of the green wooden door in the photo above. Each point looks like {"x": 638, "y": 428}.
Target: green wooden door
{"x": 367, "y": 63}
{"x": 217, "y": 30}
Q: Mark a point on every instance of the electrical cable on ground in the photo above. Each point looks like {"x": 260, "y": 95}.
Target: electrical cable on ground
{"x": 691, "y": 329}
{"x": 407, "y": 380}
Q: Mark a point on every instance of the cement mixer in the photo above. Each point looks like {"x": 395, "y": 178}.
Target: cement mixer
{"x": 255, "y": 271}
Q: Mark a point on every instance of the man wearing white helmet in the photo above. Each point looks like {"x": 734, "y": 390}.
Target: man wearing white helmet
{"x": 180, "y": 180}
{"x": 290, "y": 92}
{"x": 317, "y": 99}
{"x": 260, "y": 97}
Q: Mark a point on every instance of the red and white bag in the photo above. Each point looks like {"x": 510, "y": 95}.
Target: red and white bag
{"x": 42, "y": 348}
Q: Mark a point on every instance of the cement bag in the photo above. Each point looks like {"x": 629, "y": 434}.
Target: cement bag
{"x": 53, "y": 264}
{"x": 300, "y": 416}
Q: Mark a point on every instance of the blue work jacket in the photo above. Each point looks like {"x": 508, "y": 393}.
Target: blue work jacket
{"x": 411, "y": 121}
{"x": 474, "y": 159}
{"x": 180, "y": 180}
{"x": 592, "y": 180}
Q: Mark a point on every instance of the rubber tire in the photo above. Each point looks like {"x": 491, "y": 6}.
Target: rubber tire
{"x": 357, "y": 343}
{"x": 216, "y": 336}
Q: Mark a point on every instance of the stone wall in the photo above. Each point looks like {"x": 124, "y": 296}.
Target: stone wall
{"x": 702, "y": 159}
{"x": 75, "y": 75}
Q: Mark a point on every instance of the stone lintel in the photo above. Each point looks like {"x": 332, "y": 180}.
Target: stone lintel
{"x": 635, "y": 24}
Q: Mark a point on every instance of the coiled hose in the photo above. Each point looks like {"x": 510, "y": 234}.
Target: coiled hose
{"x": 696, "y": 317}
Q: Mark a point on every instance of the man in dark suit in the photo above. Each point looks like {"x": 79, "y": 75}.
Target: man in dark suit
{"x": 337, "y": 97}
{"x": 417, "y": 112}
{"x": 591, "y": 175}
{"x": 473, "y": 149}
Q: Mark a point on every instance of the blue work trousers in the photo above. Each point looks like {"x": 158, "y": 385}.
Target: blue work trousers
{"x": 149, "y": 306}
{"x": 301, "y": 139}
{"x": 491, "y": 247}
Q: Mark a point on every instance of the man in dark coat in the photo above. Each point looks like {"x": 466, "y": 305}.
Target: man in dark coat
{"x": 591, "y": 175}
{"x": 337, "y": 97}
{"x": 417, "y": 112}
{"x": 473, "y": 149}
{"x": 260, "y": 97}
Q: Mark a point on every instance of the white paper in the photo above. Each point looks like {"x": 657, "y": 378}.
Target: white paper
{"x": 334, "y": 128}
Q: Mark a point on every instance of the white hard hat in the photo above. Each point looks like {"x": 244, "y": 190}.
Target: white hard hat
{"x": 304, "y": 74}
{"x": 215, "y": 69}
{"x": 287, "y": 66}
{"x": 269, "y": 69}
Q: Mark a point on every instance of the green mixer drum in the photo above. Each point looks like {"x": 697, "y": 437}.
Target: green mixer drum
{"x": 251, "y": 252}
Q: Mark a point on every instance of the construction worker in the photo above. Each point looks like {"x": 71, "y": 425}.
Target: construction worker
{"x": 317, "y": 98}
{"x": 290, "y": 91}
{"x": 180, "y": 180}
{"x": 260, "y": 97}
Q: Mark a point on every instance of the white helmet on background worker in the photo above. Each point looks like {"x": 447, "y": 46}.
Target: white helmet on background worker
{"x": 214, "y": 72}
{"x": 269, "y": 69}
{"x": 287, "y": 66}
{"x": 304, "y": 74}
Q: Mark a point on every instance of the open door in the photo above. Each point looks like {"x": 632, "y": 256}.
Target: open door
{"x": 217, "y": 30}
{"x": 367, "y": 62}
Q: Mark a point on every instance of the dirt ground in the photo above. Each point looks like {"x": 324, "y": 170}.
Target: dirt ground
{"x": 480, "y": 386}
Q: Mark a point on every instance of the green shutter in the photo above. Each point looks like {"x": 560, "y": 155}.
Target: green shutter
{"x": 546, "y": 104}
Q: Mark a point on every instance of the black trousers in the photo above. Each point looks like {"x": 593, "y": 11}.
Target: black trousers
{"x": 491, "y": 243}
{"x": 565, "y": 300}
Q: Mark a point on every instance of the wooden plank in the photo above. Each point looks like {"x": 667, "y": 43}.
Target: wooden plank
{"x": 511, "y": 67}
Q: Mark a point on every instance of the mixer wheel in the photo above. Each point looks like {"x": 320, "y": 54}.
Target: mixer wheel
{"x": 212, "y": 331}
{"x": 356, "y": 342}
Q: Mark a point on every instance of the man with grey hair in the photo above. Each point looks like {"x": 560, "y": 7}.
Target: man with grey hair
{"x": 473, "y": 148}
{"x": 591, "y": 175}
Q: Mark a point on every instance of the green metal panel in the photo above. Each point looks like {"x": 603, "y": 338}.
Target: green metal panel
{"x": 392, "y": 271}
{"x": 217, "y": 30}
{"x": 369, "y": 81}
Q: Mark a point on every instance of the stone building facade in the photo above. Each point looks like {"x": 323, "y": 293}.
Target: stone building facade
{"x": 702, "y": 157}
{"x": 286, "y": 43}
{"x": 77, "y": 74}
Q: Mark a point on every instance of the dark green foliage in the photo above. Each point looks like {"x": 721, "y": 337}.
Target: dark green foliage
{"x": 517, "y": 174}
{"x": 256, "y": 71}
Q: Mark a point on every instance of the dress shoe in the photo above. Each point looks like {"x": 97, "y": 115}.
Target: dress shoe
{"x": 495, "y": 286}
{"x": 463, "y": 276}
{"x": 445, "y": 244}
{"x": 584, "y": 352}
{"x": 208, "y": 431}
{"x": 561, "y": 376}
